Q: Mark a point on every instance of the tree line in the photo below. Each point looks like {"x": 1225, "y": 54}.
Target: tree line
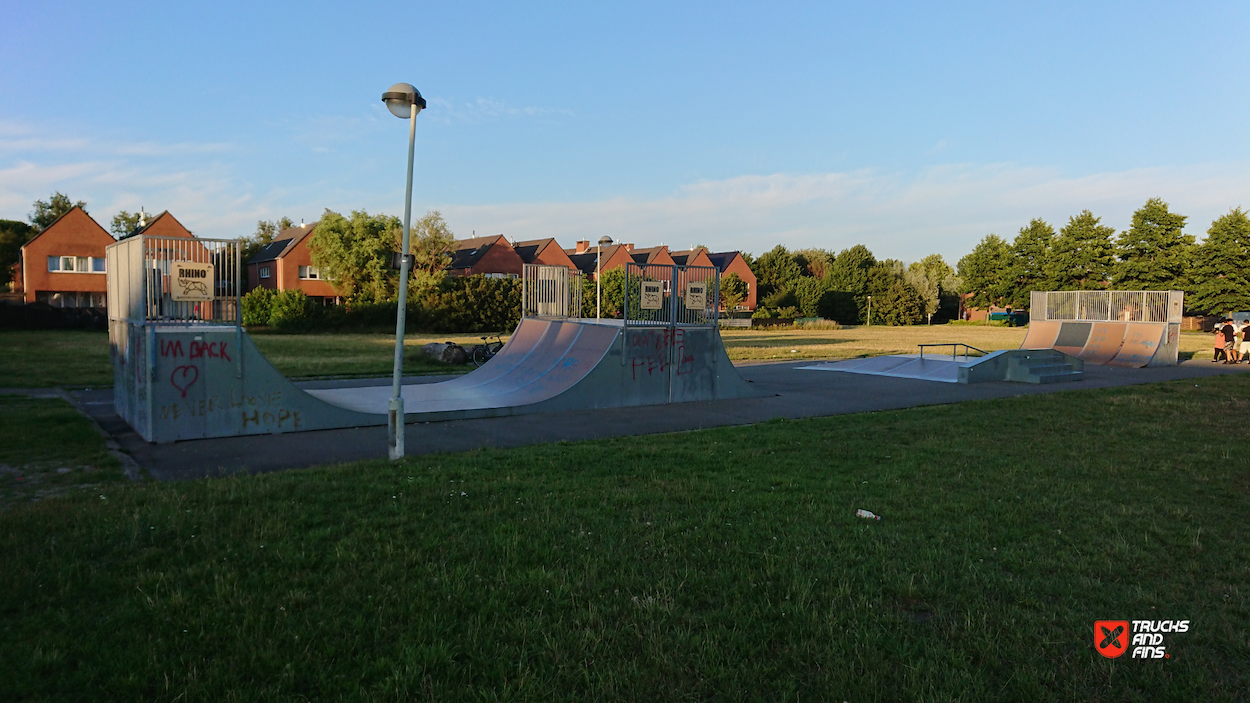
{"x": 1152, "y": 254}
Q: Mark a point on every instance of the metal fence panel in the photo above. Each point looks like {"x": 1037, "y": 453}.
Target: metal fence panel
{"x": 141, "y": 271}
{"x": 667, "y": 295}
{"x": 550, "y": 292}
{"x": 1108, "y": 305}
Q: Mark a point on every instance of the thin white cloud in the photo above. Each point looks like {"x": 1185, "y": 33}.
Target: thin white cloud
{"x": 485, "y": 110}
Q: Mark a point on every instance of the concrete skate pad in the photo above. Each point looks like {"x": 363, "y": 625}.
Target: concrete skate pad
{"x": 899, "y": 366}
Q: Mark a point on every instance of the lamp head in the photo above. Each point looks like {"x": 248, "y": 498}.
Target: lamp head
{"x": 401, "y": 97}
{"x": 605, "y": 241}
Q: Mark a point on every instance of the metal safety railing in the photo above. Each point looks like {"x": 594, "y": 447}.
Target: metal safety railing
{"x": 954, "y": 349}
{"x": 174, "y": 280}
{"x": 670, "y": 295}
{"x": 1108, "y": 305}
{"x": 550, "y": 292}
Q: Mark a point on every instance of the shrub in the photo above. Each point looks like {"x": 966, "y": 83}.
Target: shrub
{"x": 780, "y": 299}
{"x": 256, "y": 307}
{"x": 818, "y": 324}
{"x": 762, "y": 314}
{"x": 473, "y": 304}
{"x": 290, "y": 309}
{"x": 788, "y": 313}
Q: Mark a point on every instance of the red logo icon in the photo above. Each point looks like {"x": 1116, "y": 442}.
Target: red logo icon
{"x": 1111, "y": 637}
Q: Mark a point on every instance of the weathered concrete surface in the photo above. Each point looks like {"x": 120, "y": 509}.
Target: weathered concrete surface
{"x": 787, "y": 393}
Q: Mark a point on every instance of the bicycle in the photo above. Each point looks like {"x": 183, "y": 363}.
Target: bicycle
{"x": 487, "y": 350}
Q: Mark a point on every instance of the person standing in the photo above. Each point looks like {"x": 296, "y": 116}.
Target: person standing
{"x": 1219, "y": 341}
{"x": 1230, "y": 340}
{"x": 1244, "y": 350}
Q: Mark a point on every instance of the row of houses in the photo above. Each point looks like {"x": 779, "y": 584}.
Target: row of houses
{"x": 63, "y": 265}
{"x": 287, "y": 262}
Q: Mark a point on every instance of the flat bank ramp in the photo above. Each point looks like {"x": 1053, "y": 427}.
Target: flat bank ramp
{"x": 898, "y": 366}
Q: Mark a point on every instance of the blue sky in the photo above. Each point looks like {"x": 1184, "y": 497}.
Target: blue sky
{"x": 910, "y": 127}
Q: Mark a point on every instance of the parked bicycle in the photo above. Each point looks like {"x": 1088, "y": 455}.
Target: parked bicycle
{"x": 487, "y": 350}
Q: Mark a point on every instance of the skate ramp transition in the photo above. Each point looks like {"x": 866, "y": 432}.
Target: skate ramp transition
{"x": 180, "y": 382}
{"x": 1131, "y": 329}
{"x": 1016, "y": 365}
{"x": 184, "y": 367}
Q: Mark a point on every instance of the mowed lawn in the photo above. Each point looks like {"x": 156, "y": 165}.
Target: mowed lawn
{"x": 724, "y": 564}
{"x": 77, "y": 359}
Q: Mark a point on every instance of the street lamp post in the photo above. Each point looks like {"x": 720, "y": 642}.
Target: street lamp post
{"x": 870, "y": 311}
{"x": 404, "y": 102}
{"x": 604, "y": 241}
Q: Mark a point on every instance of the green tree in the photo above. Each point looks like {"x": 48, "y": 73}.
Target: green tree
{"x": 47, "y": 212}
{"x": 943, "y": 276}
{"x": 266, "y": 232}
{"x": 1221, "y": 281}
{"x": 431, "y": 243}
{"x": 900, "y": 304}
{"x": 1154, "y": 254}
{"x": 1031, "y": 259}
{"x": 355, "y": 254}
{"x": 986, "y": 272}
{"x": 733, "y": 290}
{"x": 849, "y": 271}
{"x": 927, "y": 288}
{"x": 13, "y": 236}
{"x": 810, "y": 293}
{"x": 813, "y": 262}
{"x": 124, "y": 223}
{"x": 1082, "y": 256}
{"x": 775, "y": 271}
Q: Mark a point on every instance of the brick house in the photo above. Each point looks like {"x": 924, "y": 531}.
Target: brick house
{"x": 728, "y": 262}
{"x": 583, "y": 257}
{"x": 63, "y": 265}
{"x": 492, "y": 257}
{"x": 544, "y": 252}
{"x": 657, "y": 256}
{"x": 286, "y": 264}
{"x": 694, "y": 257}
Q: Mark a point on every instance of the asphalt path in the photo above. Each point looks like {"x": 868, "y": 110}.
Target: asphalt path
{"x": 791, "y": 393}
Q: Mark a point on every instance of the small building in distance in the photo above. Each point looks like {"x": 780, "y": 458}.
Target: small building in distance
{"x": 544, "y": 252}
{"x": 728, "y": 262}
{"x": 492, "y": 257}
{"x": 286, "y": 264}
{"x": 63, "y": 265}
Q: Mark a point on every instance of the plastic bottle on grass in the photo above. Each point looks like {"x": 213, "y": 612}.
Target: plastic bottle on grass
{"x": 866, "y": 514}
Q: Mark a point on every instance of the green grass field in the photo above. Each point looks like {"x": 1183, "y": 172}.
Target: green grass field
{"x": 724, "y": 564}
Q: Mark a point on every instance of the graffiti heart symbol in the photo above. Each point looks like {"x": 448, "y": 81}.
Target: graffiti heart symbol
{"x": 183, "y": 377}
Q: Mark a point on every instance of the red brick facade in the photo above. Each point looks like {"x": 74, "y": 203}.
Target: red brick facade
{"x": 64, "y": 265}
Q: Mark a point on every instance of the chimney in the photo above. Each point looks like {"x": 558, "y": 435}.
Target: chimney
{"x": 582, "y": 245}
{"x": 301, "y": 223}
{"x": 143, "y": 218}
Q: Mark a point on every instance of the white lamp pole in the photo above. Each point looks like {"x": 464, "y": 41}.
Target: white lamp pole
{"x": 604, "y": 241}
{"x": 404, "y": 101}
{"x": 870, "y": 311}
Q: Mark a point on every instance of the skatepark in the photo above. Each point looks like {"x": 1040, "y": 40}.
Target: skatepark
{"x": 193, "y": 396}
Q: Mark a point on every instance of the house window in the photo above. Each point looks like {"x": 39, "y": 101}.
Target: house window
{"x": 264, "y": 272}
{"x": 309, "y": 273}
{"x": 97, "y": 266}
{"x": 54, "y": 264}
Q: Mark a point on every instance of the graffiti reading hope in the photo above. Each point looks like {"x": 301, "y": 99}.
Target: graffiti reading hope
{"x": 650, "y": 352}
{"x": 261, "y": 410}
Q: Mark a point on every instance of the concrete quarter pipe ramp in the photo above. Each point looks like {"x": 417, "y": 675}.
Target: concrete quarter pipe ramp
{"x": 1116, "y": 328}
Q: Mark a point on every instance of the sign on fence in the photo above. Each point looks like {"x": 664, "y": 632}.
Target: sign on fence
{"x": 652, "y": 295}
{"x": 191, "y": 282}
{"x": 696, "y": 295}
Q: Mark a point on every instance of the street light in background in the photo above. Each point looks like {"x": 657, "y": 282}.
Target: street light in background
{"x": 870, "y": 311}
{"x": 604, "y": 241}
{"x": 404, "y": 102}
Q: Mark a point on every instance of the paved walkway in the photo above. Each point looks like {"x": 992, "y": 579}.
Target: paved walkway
{"x": 794, "y": 394}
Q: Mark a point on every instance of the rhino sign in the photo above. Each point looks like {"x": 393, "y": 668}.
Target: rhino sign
{"x": 191, "y": 282}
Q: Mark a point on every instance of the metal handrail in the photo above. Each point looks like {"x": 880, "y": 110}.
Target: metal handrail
{"x": 954, "y": 349}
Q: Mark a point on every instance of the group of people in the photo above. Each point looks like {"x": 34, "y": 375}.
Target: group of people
{"x": 1226, "y": 347}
